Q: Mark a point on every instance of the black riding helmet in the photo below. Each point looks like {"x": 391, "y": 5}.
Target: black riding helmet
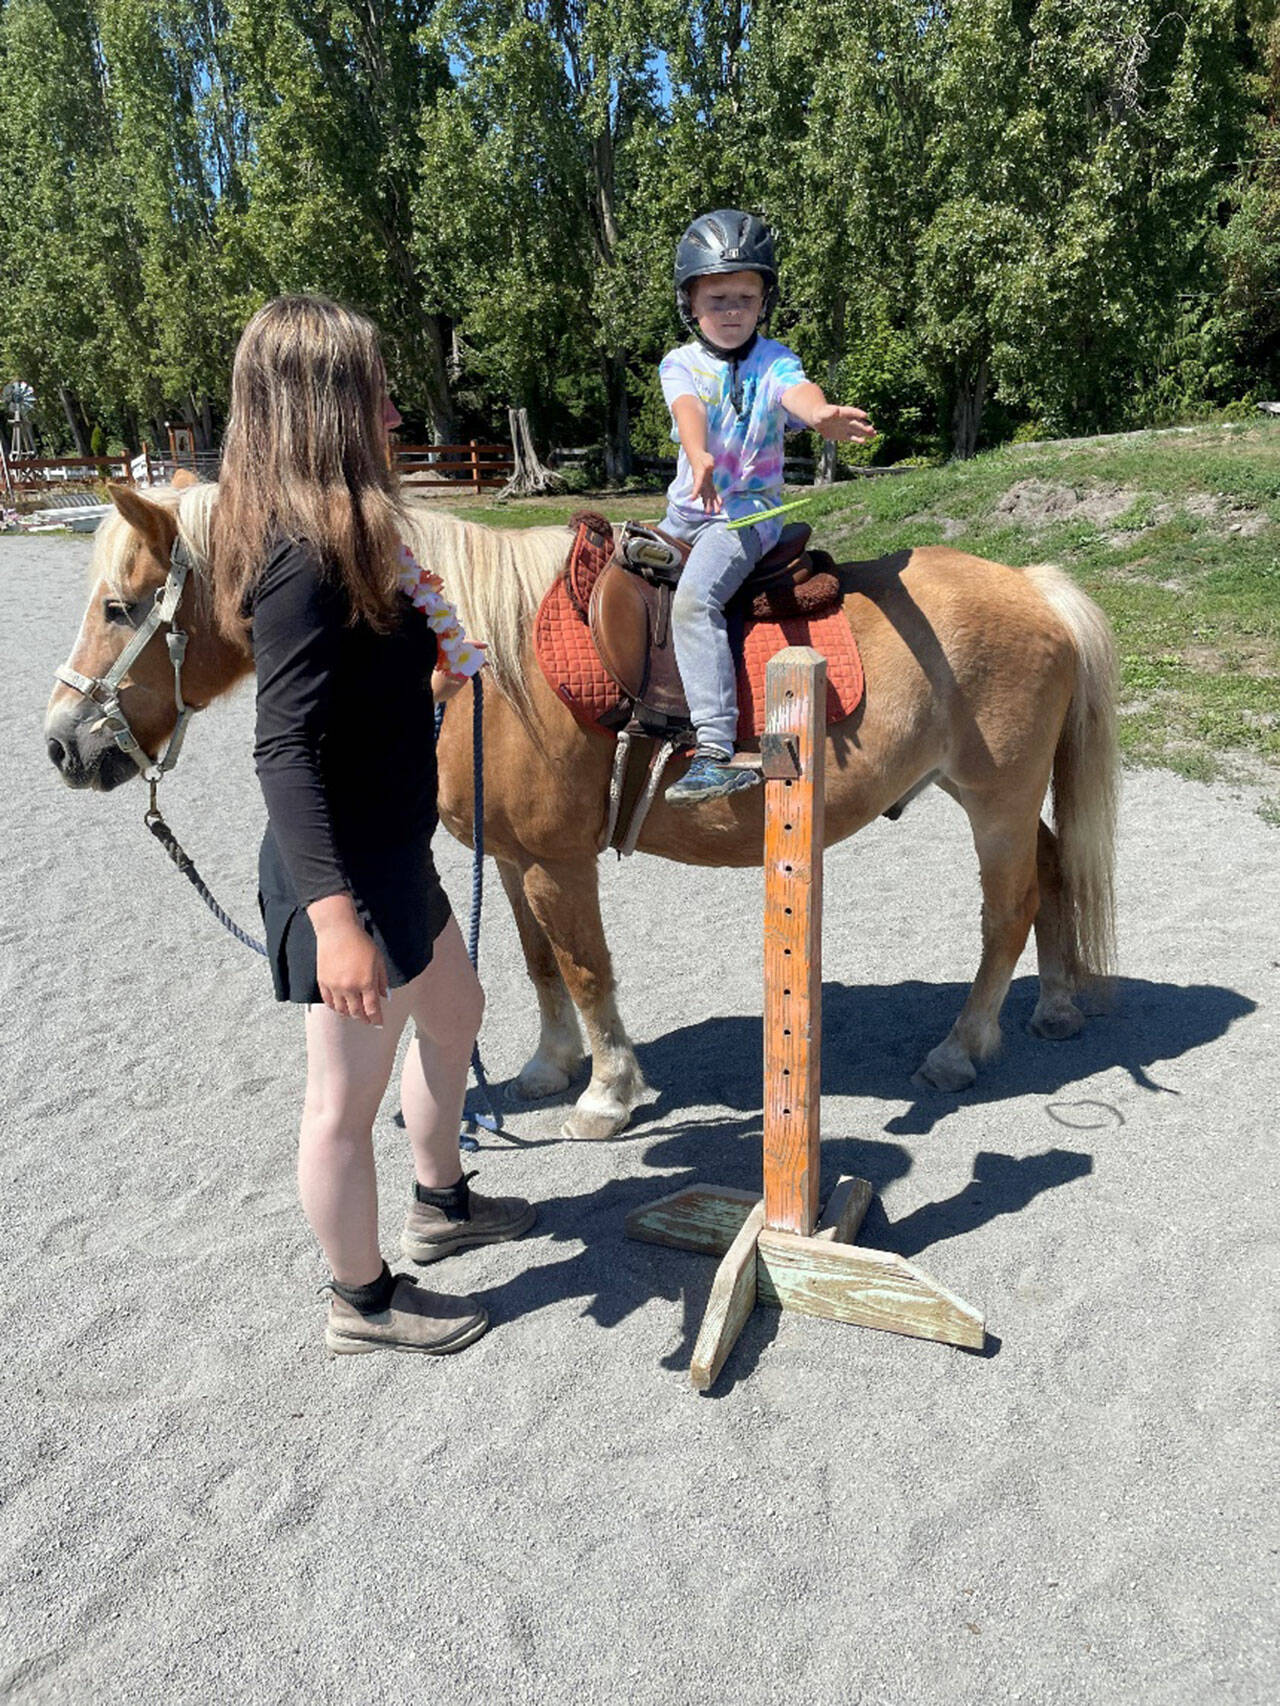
{"x": 722, "y": 242}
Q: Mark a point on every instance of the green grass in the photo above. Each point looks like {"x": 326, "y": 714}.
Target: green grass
{"x": 1195, "y": 606}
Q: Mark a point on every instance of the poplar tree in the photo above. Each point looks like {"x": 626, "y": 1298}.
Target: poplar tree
{"x": 71, "y": 298}
{"x": 181, "y": 147}
{"x": 524, "y": 210}
{"x": 333, "y": 94}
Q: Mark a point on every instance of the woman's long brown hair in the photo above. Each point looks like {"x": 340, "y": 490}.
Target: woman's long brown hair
{"x": 306, "y": 457}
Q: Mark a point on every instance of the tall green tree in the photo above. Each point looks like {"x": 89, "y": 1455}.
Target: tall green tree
{"x": 333, "y": 95}
{"x": 1240, "y": 339}
{"x": 846, "y": 101}
{"x": 71, "y": 319}
{"x": 1130, "y": 119}
{"x": 535, "y": 162}
{"x": 1072, "y": 182}
{"x": 181, "y": 152}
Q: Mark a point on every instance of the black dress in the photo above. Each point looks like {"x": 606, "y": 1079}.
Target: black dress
{"x": 345, "y": 754}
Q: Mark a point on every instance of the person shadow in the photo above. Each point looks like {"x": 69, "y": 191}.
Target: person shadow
{"x": 871, "y": 1044}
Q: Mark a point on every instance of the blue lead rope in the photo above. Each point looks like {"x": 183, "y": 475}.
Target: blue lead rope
{"x": 491, "y": 1120}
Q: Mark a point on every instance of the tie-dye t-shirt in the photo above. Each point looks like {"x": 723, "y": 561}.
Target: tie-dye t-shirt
{"x": 748, "y": 447}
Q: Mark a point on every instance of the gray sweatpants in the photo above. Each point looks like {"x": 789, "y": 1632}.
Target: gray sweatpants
{"x": 718, "y": 564}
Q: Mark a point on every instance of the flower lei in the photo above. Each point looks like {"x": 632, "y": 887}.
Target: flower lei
{"x": 461, "y": 657}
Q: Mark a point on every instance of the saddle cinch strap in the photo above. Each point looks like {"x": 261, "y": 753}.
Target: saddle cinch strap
{"x": 630, "y": 614}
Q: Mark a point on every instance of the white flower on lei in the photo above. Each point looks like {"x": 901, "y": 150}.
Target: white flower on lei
{"x": 460, "y": 657}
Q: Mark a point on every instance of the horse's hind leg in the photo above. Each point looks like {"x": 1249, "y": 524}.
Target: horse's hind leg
{"x": 564, "y": 897}
{"x": 1056, "y": 1016}
{"x": 558, "y": 1057}
{"x": 1006, "y": 844}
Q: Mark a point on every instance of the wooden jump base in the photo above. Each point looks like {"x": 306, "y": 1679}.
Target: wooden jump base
{"x": 779, "y": 1249}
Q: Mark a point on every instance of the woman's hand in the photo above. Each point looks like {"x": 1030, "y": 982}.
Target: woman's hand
{"x": 702, "y": 465}
{"x": 444, "y": 685}
{"x": 349, "y": 966}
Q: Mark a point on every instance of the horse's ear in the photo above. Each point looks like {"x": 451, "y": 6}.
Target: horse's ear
{"x": 157, "y": 525}
{"x": 183, "y": 477}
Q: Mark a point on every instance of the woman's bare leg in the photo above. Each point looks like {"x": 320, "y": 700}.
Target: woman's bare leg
{"x": 446, "y": 1005}
{"x": 348, "y": 1066}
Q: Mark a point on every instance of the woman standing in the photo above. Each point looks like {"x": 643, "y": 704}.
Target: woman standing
{"x": 308, "y": 570}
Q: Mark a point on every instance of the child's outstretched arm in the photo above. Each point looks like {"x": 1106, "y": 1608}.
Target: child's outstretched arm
{"x": 808, "y": 404}
{"x": 690, "y": 416}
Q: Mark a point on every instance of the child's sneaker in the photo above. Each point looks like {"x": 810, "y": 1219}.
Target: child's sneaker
{"x": 709, "y": 777}
{"x": 440, "y": 1222}
{"x": 414, "y": 1319}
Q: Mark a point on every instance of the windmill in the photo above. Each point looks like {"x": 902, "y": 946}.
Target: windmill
{"x": 18, "y": 399}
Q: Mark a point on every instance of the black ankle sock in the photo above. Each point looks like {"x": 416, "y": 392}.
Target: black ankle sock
{"x": 455, "y": 1200}
{"x": 369, "y": 1299}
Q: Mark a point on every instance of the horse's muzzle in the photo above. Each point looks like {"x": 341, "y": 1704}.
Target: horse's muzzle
{"x": 83, "y": 756}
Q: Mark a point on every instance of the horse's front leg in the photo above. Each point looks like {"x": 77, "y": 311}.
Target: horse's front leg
{"x": 558, "y": 1056}
{"x": 564, "y": 897}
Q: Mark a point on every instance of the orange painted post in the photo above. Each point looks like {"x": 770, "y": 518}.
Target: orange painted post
{"x": 792, "y": 754}
{"x": 475, "y": 467}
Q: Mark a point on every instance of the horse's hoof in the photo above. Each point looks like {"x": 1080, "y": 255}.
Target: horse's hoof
{"x": 541, "y": 1078}
{"x": 586, "y": 1125}
{"x": 945, "y": 1069}
{"x": 1058, "y": 1022}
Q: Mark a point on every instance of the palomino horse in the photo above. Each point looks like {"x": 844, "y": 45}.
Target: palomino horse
{"x": 989, "y": 681}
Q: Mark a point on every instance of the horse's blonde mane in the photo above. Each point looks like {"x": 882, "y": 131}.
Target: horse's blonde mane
{"x": 496, "y": 578}
{"x": 114, "y": 537}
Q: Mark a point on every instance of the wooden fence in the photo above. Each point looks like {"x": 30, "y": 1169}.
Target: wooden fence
{"x": 147, "y": 468}
{"x": 36, "y": 473}
{"x": 422, "y": 466}
{"x": 473, "y": 465}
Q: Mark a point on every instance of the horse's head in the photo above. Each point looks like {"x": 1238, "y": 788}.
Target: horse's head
{"x": 147, "y": 647}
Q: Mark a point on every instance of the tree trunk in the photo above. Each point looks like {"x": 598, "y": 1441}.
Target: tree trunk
{"x": 825, "y": 472}
{"x": 129, "y": 421}
{"x": 617, "y": 433}
{"x": 192, "y": 419}
{"x": 966, "y": 410}
{"x": 530, "y": 475}
{"x": 436, "y": 343}
{"x": 75, "y": 420}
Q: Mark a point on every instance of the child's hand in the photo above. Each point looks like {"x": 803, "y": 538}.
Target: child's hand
{"x": 703, "y": 467}
{"x": 847, "y": 425}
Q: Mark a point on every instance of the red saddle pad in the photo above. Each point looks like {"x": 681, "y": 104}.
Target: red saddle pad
{"x": 566, "y": 656}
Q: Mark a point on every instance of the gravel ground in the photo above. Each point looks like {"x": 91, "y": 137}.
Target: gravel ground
{"x": 195, "y": 1504}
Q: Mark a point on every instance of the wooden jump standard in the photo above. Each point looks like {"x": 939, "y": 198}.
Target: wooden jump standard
{"x": 778, "y": 1250}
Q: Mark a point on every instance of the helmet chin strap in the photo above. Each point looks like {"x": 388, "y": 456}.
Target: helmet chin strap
{"x": 732, "y": 356}
{"x": 739, "y": 354}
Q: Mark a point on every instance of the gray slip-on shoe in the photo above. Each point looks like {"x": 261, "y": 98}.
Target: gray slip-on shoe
{"x": 416, "y": 1320}
{"x": 431, "y": 1233}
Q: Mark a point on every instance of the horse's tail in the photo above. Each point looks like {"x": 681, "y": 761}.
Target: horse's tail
{"x": 1085, "y": 781}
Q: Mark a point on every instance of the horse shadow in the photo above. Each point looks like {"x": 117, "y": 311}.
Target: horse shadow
{"x": 874, "y": 1038}
{"x": 871, "y": 1045}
